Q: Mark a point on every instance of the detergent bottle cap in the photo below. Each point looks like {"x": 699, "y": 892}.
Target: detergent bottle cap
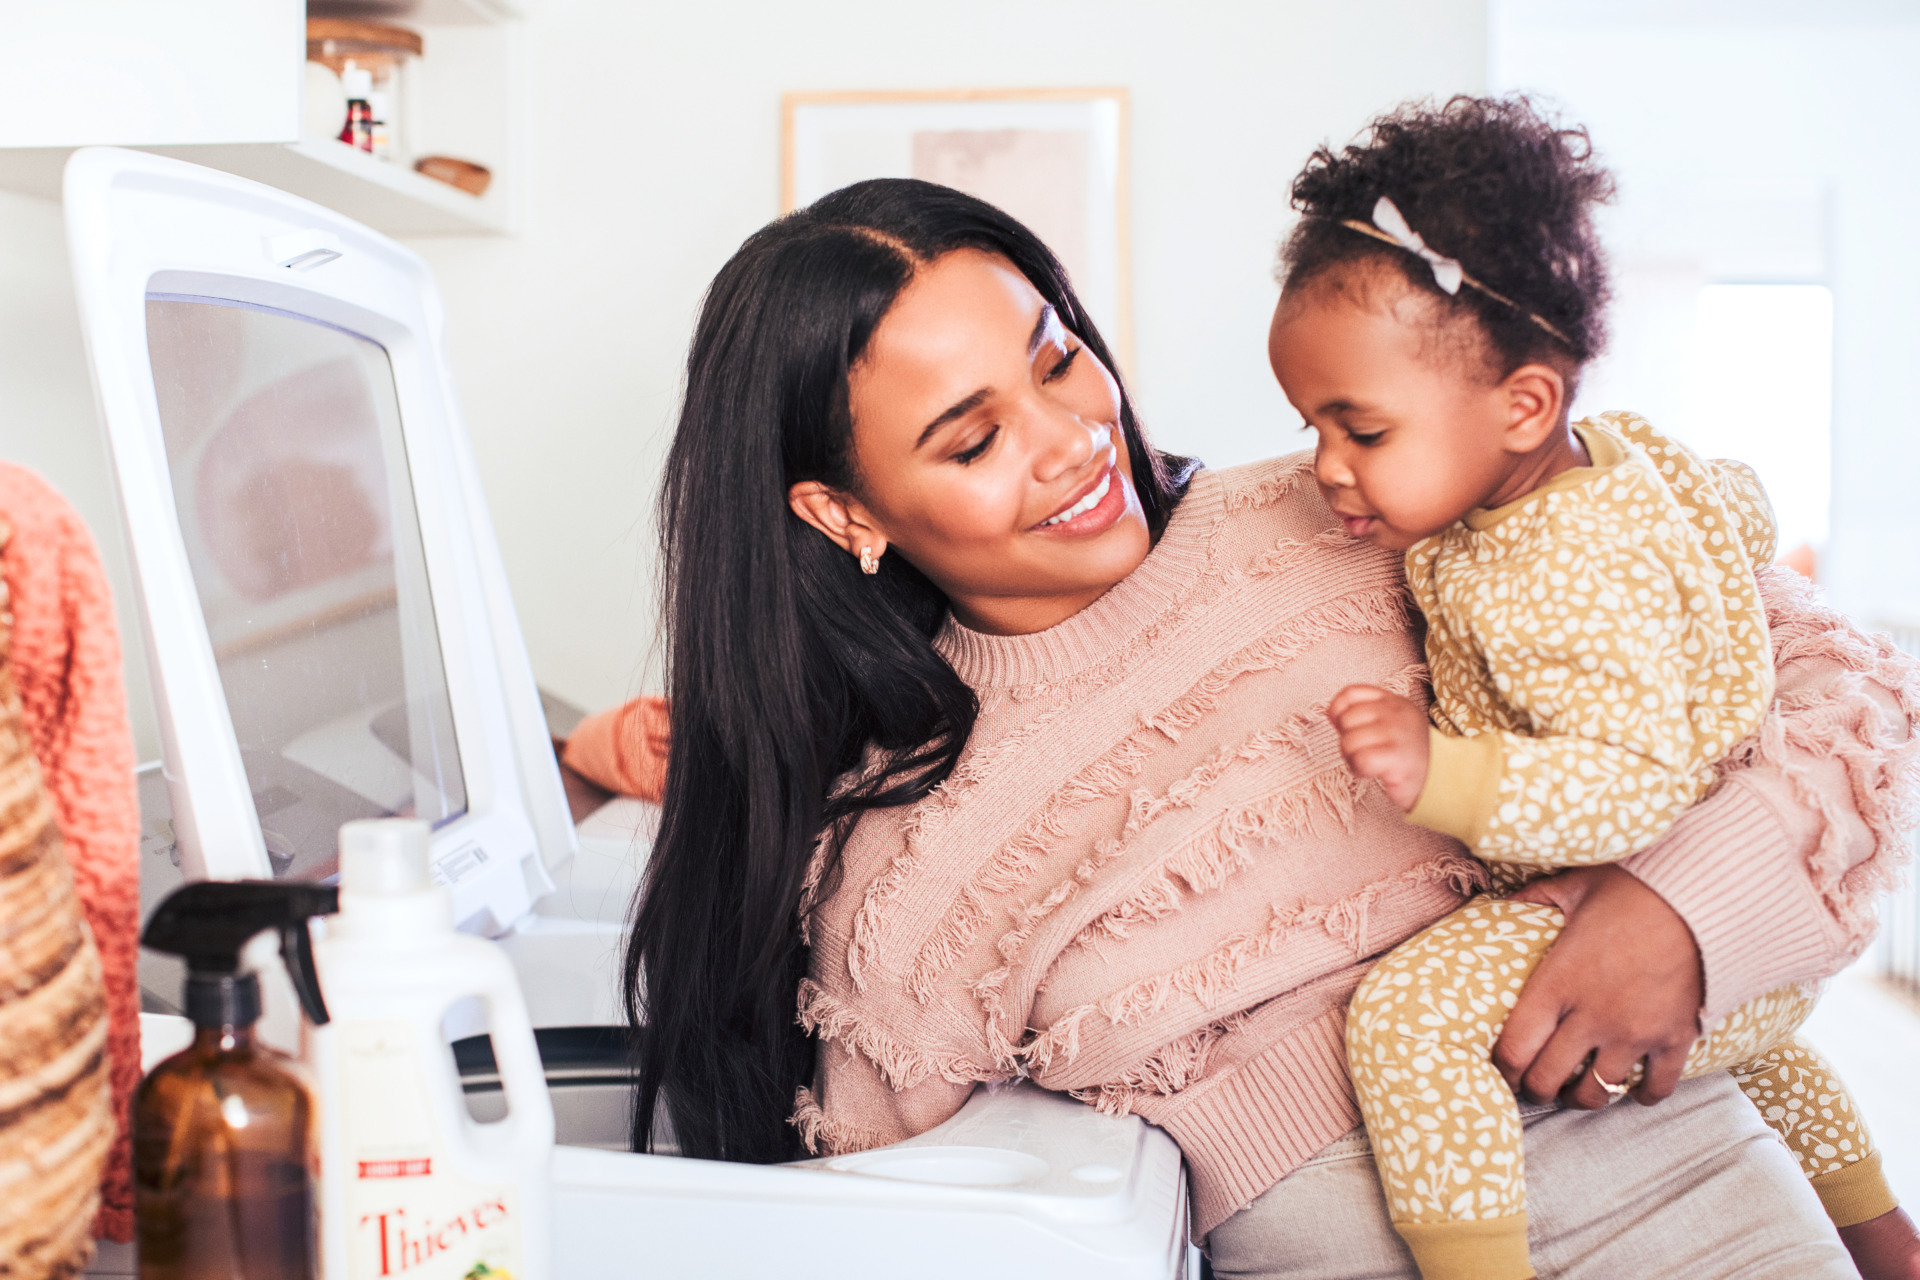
{"x": 380, "y": 857}
{"x": 208, "y": 922}
{"x": 386, "y": 884}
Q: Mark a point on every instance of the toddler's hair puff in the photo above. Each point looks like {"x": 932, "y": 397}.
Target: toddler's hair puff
{"x": 1493, "y": 182}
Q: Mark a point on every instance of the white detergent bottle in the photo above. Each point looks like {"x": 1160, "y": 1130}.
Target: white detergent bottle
{"x": 411, "y": 1184}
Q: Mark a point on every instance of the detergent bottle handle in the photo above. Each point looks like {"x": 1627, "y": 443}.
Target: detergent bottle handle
{"x": 523, "y": 1079}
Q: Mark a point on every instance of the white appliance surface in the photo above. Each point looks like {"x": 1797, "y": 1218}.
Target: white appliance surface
{"x": 1022, "y": 1182}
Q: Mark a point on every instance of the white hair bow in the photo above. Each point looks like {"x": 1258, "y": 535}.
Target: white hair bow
{"x": 1446, "y": 271}
{"x": 1390, "y": 227}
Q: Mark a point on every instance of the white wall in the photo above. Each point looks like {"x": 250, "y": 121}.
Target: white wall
{"x": 1763, "y": 141}
{"x": 654, "y": 133}
{"x": 652, "y": 150}
{"x": 47, "y": 418}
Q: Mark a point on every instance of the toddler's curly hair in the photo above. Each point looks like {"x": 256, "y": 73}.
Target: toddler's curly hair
{"x": 1493, "y": 182}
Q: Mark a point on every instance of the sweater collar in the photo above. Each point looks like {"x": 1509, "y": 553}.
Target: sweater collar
{"x": 1171, "y": 570}
{"x": 1603, "y": 454}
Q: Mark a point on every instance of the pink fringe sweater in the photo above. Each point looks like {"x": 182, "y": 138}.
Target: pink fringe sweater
{"x": 1152, "y": 883}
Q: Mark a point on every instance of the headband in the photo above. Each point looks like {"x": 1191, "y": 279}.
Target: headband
{"x": 1390, "y": 227}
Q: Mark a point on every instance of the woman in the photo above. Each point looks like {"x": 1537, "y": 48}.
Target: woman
{"x": 999, "y": 737}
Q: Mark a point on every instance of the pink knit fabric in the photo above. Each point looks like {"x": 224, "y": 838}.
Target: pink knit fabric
{"x": 1151, "y": 881}
{"x": 66, "y": 653}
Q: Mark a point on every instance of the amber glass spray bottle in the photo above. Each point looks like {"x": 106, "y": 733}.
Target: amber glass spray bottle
{"x": 223, "y": 1132}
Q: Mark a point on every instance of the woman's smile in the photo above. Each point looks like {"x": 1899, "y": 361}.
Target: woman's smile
{"x": 1101, "y": 500}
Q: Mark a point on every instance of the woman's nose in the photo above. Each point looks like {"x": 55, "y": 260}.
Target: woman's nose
{"x": 1069, "y": 444}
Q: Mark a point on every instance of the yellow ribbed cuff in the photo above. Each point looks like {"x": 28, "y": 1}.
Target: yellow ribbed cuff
{"x": 1474, "y": 1249}
{"x": 1463, "y": 785}
{"x": 1856, "y": 1193}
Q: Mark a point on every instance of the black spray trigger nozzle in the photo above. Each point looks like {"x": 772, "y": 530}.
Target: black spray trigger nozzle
{"x": 208, "y": 922}
{"x": 296, "y": 951}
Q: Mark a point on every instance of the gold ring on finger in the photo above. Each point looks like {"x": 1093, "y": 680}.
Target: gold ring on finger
{"x": 1613, "y": 1090}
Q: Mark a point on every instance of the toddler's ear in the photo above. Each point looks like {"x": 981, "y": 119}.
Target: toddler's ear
{"x": 1536, "y": 401}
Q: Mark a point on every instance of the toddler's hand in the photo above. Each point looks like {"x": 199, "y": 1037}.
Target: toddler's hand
{"x": 1384, "y": 736}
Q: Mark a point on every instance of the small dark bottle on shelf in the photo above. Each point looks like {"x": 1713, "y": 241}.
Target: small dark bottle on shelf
{"x": 358, "y": 130}
{"x": 224, "y": 1140}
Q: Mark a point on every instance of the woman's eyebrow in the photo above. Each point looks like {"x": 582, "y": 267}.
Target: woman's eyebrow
{"x": 1040, "y": 327}
{"x": 961, "y": 408}
{"x": 958, "y": 409}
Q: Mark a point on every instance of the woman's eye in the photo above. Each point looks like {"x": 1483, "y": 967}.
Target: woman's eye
{"x": 1059, "y": 370}
{"x": 1365, "y": 439}
{"x": 969, "y": 455}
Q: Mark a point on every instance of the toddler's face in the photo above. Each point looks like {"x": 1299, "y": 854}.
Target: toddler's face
{"x": 1411, "y": 431}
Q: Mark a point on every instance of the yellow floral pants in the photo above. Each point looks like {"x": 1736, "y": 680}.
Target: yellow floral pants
{"x": 1445, "y": 1128}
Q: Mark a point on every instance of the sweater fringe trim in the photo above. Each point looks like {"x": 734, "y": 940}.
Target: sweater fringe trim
{"x": 903, "y": 1066}
{"x": 1372, "y": 611}
{"x": 1290, "y": 736}
{"x": 1174, "y": 1067}
{"x": 1879, "y": 753}
{"x": 1207, "y": 584}
{"x": 1203, "y": 862}
{"x": 1206, "y": 859}
{"x": 1369, "y": 612}
{"x": 984, "y": 762}
{"x": 825, "y": 1135}
{"x": 1209, "y": 980}
{"x": 1278, "y": 559}
{"x": 1281, "y": 556}
{"x": 1275, "y": 488}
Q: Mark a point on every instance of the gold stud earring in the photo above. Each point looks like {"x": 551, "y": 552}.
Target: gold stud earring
{"x": 868, "y": 563}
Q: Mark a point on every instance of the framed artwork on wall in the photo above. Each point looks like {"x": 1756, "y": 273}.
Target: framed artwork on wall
{"x": 1054, "y": 158}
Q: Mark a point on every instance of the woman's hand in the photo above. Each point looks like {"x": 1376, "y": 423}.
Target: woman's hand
{"x": 1622, "y": 982}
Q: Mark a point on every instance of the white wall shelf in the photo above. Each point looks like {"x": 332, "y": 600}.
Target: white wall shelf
{"x": 219, "y": 83}
{"x": 387, "y": 197}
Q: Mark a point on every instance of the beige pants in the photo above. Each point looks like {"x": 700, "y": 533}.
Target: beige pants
{"x": 1697, "y": 1188}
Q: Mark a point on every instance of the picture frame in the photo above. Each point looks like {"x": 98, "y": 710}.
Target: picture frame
{"x": 1056, "y": 159}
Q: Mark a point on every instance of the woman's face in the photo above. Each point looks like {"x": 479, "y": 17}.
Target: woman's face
{"x": 989, "y": 452}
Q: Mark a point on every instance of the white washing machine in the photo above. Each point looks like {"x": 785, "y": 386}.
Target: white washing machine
{"x": 331, "y": 637}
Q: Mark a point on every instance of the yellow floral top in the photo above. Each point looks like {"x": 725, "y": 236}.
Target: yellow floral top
{"x": 1596, "y": 646}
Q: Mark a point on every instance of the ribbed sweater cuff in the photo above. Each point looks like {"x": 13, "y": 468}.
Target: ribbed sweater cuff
{"x": 1738, "y": 878}
{"x": 1252, "y": 1127}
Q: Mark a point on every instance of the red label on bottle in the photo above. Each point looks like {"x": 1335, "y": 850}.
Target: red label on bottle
{"x": 457, "y": 1240}
{"x": 396, "y": 1168}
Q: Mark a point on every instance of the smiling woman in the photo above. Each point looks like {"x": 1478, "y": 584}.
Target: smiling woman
{"x": 986, "y": 409}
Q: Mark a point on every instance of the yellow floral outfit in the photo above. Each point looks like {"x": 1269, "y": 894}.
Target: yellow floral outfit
{"x": 1597, "y": 647}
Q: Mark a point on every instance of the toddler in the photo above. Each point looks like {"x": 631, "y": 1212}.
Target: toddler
{"x": 1595, "y": 635}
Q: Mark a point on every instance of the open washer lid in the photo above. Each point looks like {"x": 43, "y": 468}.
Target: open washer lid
{"x": 326, "y": 613}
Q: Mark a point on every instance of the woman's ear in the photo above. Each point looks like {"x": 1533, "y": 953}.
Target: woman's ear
{"x": 1536, "y": 396}
{"x": 845, "y": 522}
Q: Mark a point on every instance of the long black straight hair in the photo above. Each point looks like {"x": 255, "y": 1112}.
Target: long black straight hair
{"x": 788, "y": 669}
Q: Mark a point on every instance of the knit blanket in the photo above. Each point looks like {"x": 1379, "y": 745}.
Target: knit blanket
{"x": 70, "y": 703}
{"x": 56, "y": 1114}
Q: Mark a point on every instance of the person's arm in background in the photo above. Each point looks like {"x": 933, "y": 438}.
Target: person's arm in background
{"x": 1772, "y": 879}
{"x": 623, "y": 750}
